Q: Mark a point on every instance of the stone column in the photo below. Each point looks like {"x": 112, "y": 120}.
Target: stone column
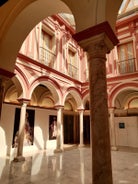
{"x": 101, "y": 157}
{"x": 112, "y": 130}
{"x": 19, "y": 156}
{"x": 98, "y": 41}
{"x": 81, "y": 128}
{"x": 59, "y": 146}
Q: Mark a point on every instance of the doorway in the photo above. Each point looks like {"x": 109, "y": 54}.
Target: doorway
{"x": 86, "y": 129}
{"x": 71, "y": 129}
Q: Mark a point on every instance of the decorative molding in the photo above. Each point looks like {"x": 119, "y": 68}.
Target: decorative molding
{"x": 63, "y": 22}
{"x": 120, "y": 77}
{"x": 23, "y": 101}
{"x": 47, "y": 68}
{"x": 103, "y": 27}
{"x": 59, "y": 107}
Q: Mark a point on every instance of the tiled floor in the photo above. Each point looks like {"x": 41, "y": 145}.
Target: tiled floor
{"x": 70, "y": 167}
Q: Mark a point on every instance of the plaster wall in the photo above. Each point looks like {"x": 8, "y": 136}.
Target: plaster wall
{"x": 6, "y": 129}
{"x": 127, "y": 135}
{"x": 41, "y": 130}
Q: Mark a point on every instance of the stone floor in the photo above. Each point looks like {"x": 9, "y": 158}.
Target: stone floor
{"x": 70, "y": 167}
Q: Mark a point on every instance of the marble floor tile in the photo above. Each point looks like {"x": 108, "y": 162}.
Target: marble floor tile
{"x": 70, "y": 167}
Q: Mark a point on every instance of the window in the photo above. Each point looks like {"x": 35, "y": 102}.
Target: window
{"x": 72, "y": 64}
{"x": 126, "y": 62}
{"x": 47, "y": 55}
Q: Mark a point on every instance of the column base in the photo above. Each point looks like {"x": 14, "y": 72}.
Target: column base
{"x": 58, "y": 150}
{"x": 81, "y": 145}
{"x": 19, "y": 159}
{"x": 114, "y": 148}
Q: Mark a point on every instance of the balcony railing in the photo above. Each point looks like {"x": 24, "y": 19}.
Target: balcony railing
{"x": 47, "y": 57}
{"x": 72, "y": 71}
{"x": 126, "y": 66}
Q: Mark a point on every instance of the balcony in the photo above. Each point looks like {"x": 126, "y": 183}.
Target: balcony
{"x": 126, "y": 66}
{"x": 72, "y": 71}
{"x": 47, "y": 57}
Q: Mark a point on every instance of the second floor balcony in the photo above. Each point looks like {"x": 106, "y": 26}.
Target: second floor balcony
{"x": 47, "y": 57}
{"x": 72, "y": 71}
{"x": 126, "y": 66}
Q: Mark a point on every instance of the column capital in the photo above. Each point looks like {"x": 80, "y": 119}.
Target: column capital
{"x": 23, "y": 100}
{"x": 97, "y": 46}
{"x": 111, "y": 109}
{"x": 80, "y": 110}
{"x": 97, "y": 38}
{"x": 59, "y": 106}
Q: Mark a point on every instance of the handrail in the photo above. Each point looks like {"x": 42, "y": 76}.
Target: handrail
{"x": 126, "y": 66}
{"x": 72, "y": 71}
{"x": 47, "y": 56}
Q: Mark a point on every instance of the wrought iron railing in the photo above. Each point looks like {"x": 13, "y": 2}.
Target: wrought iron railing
{"x": 47, "y": 57}
{"x": 72, "y": 71}
{"x": 126, "y": 66}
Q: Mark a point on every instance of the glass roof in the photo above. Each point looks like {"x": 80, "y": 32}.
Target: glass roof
{"x": 69, "y": 18}
{"x": 128, "y": 5}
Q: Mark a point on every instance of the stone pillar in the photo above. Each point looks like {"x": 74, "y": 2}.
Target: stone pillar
{"x": 81, "y": 128}
{"x": 59, "y": 146}
{"x": 19, "y": 156}
{"x": 98, "y": 41}
{"x": 112, "y": 130}
{"x": 101, "y": 157}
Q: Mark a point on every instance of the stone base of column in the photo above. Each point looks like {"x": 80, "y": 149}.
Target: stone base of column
{"x": 81, "y": 145}
{"x": 58, "y": 150}
{"x": 114, "y": 148}
{"x": 19, "y": 159}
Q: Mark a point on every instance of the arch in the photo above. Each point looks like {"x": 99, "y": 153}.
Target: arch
{"x": 96, "y": 12}
{"x": 13, "y": 16}
{"x": 11, "y": 95}
{"x": 86, "y": 99}
{"x": 15, "y": 88}
{"x": 21, "y": 82}
{"x": 132, "y": 100}
{"x": 76, "y": 95}
{"x": 47, "y": 102}
{"x": 120, "y": 88}
{"x": 51, "y": 85}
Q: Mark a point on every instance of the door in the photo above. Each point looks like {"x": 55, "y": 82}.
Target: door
{"x": 86, "y": 129}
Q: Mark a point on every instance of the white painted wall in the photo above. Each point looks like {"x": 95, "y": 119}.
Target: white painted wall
{"x": 127, "y": 136}
{"x": 6, "y": 129}
{"x": 41, "y": 130}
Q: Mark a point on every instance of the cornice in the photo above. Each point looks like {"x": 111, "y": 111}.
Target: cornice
{"x": 123, "y": 77}
{"x": 63, "y": 22}
{"x": 126, "y": 20}
{"x": 37, "y": 63}
{"x": 128, "y": 13}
